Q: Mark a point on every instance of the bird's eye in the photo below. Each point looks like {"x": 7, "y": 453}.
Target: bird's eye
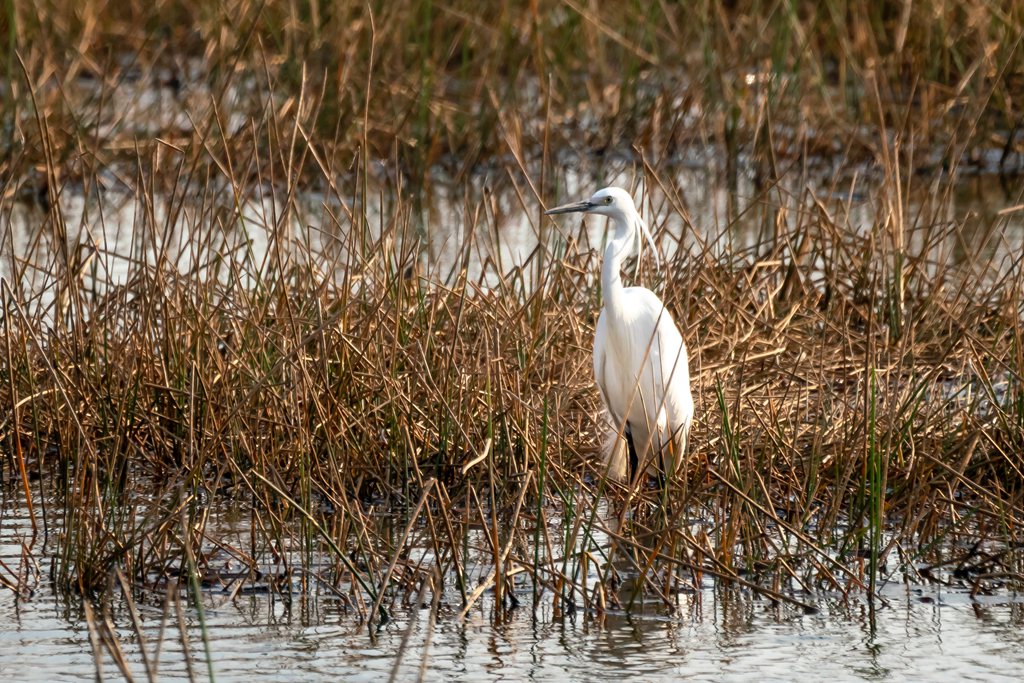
{"x": 607, "y": 200}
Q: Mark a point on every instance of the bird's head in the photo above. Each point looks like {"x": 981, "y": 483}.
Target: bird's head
{"x": 613, "y": 202}
{"x": 617, "y": 204}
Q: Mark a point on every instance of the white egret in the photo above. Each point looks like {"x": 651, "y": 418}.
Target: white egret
{"x": 640, "y": 362}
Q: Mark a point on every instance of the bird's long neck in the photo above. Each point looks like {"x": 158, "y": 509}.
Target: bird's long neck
{"x": 619, "y": 247}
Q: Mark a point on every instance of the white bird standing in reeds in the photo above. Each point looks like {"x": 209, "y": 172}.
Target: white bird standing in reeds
{"x": 640, "y": 362}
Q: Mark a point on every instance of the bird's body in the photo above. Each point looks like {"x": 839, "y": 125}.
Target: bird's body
{"x": 640, "y": 360}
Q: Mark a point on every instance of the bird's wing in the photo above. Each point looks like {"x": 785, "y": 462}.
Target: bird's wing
{"x": 674, "y": 379}
{"x": 600, "y": 365}
{"x": 661, "y": 354}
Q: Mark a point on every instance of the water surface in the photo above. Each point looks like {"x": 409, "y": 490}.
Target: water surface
{"x": 924, "y": 632}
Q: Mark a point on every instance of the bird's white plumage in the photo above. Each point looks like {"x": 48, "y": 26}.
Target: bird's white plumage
{"x": 640, "y": 360}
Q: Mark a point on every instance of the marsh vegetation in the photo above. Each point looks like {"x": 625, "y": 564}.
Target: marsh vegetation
{"x": 281, "y": 313}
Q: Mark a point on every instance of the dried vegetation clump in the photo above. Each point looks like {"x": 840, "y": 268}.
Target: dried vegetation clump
{"x": 858, "y": 385}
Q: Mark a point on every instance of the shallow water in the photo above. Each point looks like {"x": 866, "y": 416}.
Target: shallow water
{"x": 484, "y": 226}
{"x": 925, "y": 632}
{"x": 926, "y": 636}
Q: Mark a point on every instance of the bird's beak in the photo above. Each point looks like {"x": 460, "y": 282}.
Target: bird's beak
{"x": 575, "y": 207}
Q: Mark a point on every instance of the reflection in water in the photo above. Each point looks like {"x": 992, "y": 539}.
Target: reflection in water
{"x": 720, "y": 633}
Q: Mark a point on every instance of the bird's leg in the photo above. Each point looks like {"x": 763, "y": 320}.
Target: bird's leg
{"x": 634, "y": 460}
{"x": 665, "y": 461}
{"x": 662, "y": 468}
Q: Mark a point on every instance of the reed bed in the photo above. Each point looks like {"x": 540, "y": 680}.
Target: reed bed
{"x": 427, "y": 84}
{"x": 388, "y": 430}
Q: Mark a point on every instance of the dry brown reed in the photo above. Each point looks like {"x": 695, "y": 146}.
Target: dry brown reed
{"x": 427, "y": 84}
{"x": 859, "y": 393}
